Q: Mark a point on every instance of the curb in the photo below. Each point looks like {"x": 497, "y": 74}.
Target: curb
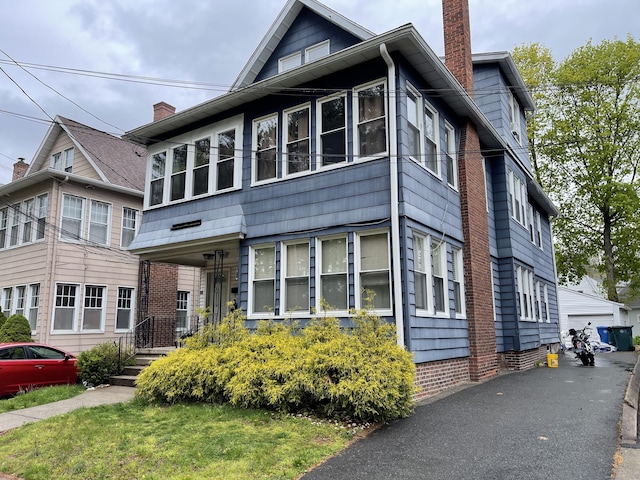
{"x": 629, "y": 429}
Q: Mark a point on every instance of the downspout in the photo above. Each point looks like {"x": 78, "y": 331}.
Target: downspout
{"x": 393, "y": 180}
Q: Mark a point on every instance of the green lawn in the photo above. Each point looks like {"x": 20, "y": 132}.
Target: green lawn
{"x": 193, "y": 441}
{"x": 40, "y": 396}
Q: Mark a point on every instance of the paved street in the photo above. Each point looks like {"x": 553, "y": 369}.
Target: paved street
{"x": 539, "y": 424}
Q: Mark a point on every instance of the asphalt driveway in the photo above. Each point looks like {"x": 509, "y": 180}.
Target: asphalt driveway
{"x": 539, "y": 424}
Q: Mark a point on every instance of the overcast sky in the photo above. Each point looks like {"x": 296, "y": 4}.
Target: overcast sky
{"x": 206, "y": 43}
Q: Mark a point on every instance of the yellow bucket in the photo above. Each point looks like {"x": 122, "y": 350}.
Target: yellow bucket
{"x": 552, "y": 360}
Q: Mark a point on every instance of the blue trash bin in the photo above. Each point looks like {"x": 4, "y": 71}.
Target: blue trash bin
{"x": 604, "y": 334}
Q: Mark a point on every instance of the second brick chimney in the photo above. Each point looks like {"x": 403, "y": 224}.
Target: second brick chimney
{"x": 162, "y": 110}
{"x": 19, "y": 169}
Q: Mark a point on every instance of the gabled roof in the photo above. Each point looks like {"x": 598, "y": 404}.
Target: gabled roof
{"x": 510, "y": 71}
{"x": 116, "y": 161}
{"x": 279, "y": 28}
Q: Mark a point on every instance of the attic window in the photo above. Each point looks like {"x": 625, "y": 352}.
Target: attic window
{"x": 316, "y": 51}
{"x": 290, "y": 61}
{"x": 63, "y": 161}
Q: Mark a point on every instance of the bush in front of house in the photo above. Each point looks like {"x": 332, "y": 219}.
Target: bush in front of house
{"x": 3, "y": 318}
{"x": 359, "y": 374}
{"x": 97, "y": 364}
{"x": 15, "y": 329}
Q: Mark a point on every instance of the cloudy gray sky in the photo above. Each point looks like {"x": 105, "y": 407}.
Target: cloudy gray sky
{"x": 105, "y": 62}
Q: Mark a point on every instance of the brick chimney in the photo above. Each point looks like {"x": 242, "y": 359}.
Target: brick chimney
{"x": 483, "y": 362}
{"x": 162, "y": 110}
{"x": 19, "y": 169}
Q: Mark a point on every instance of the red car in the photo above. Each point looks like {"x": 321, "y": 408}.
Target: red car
{"x": 24, "y": 366}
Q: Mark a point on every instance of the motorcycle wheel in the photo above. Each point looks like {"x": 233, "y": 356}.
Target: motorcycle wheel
{"x": 592, "y": 360}
{"x": 585, "y": 359}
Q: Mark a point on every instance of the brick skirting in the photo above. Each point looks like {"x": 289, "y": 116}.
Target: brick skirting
{"x": 435, "y": 377}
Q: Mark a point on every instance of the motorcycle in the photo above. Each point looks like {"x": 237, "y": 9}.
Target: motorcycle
{"x": 582, "y": 346}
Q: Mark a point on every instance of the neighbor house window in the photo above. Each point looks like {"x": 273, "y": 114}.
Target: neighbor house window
{"x": 201, "y": 167}
{"x": 124, "y": 312}
{"x": 129, "y": 224}
{"x": 374, "y": 271}
{"x": 514, "y": 116}
{"x": 316, "y": 51}
{"x": 99, "y": 222}
{"x": 263, "y": 278}
{"x": 431, "y": 130}
{"x": 333, "y": 273}
{"x": 42, "y": 205}
{"x": 296, "y": 276}
{"x": 225, "y": 171}
{"x": 297, "y": 145}
{"x": 19, "y": 304}
{"x": 524, "y": 277}
{"x": 178, "y": 172}
{"x": 333, "y": 130}
{"x": 422, "y": 272}
{"x": 517, "y": 198}
{"x": 72, "y": 208}
{"x": 450, "y": 153}
{"x": 182, "y": 311}
{"x": 370, "y": 116}
{"x": 458, "y": 281}
{"x": 64, "y": 314}
{"x": 33, "y": 305}
{"x": 93, "y": 313}
{"x": 4, "y": 219}
{"x": 439, "y": 258}
{"x": 158, "y": 167}
{"x": 265, "y": 145}
{"x": 15, "y": 225}
{"x": 290, "y": 61}
{"x": 27, "y": 224}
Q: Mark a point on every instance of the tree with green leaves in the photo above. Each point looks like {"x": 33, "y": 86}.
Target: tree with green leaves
{"x": 585, "y": 143}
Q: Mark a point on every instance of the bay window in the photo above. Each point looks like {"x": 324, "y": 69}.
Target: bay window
{"x": 226, "y": 159}
{"x": 201, "y": 166}
{"x": 156, "y": 190}
{"x": 178, "y": 172}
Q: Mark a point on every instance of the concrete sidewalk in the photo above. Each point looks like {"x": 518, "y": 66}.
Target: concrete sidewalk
{"x": 91, "y": 398}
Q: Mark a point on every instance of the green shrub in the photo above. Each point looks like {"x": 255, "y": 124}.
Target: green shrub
{"x": 360, "y": 373}
{"x": 96, "y": 365}
{"x": 3, "y": 318}
{"x": 636, "y": 340}
{"x": 16, "y": 329}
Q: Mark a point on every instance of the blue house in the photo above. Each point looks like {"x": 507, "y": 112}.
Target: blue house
{"x": 342, "y": 161}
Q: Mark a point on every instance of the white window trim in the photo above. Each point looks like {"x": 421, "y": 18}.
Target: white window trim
{"x": 428, "y": 272}
{"x": 82, "y": 219}
{"x": 252, "y": 314}
{"x": 451, "y": 152}
{"x": 436, "y": 140}
{"x": 458, "y": 260}
{"x": 186, "y": 310}
{"x": 284, "y": 277}
{"x": 539, "y": 231}
{"x": 16, "y": 299}
{"x": 7, "y": 299}
{"x": 325, "y": 46}
{"x": 445, "y": 272}
{"x": 29, "y": 306}
{"x": 514, "y": 117}
{"x": 525, "y": 285}
{"x": 103, "y": 308}
{"x": 285, "y": 141}
{"x": 122, "y": 225}
{"x": 356, "y": 120}
{"x": 519, "y": 200}
{"x": 283, "y": 62}
{"x": 254, "y": 149}
{"x": 358, "y": 270}
{"x": 318, "y": 279}
{"x": 420, "y": 156}
{"x": 318, "y": 133}
{"x": 108, "y": 226}
{"x": 133, "y": 309}
{"x": 545, "y": 292}
{"x": 78, "y": 299}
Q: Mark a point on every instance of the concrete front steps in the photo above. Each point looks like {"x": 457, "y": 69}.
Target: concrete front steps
{"x": 144, "y": 357}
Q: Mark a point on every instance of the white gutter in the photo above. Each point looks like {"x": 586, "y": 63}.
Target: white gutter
{"x": 393, "y": 179}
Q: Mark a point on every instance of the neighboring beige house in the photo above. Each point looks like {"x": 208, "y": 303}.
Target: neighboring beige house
{"x": 66, "y": 221}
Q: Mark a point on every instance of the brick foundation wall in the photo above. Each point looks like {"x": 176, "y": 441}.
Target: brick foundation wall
{"x": 524, "y": 360}
{"x": 435, "y": 377}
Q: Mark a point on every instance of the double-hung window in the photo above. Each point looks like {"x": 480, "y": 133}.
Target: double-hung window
{"x": 201, "y": 166}
{"x": 431, "y": 131}
{"x": 537, "y": 288}
{"x": 545, "y": 298}
{"x": 538, "y": 230}
{"x": 27, "y": 225}
{"x": 333, "y": 273}
{"x": 514, "y": 117}
{"x": 524, "y": 277}
{"x": 458, "y": 281}
{"x": 517, "y": 198}
{"x": 263, "y": 276}
{"x": 297, "y": 145}
{"x": 64, "y": 313}
{"x": 158, "y": 171}
{"x": 19, "y": 305}
{"x": 451, "y": 155}
{"x": 225, "y": 170}
{"x": 414, "y": 124}
{"x": 42, "y": 205}
{"x": 72, "y": 211}
{"x": 374, "y": 271}
{"x": 531, "y": 218}
{"x": 182, "y": 311}
{"x": 33, "y": 305}
{"x": 296, "y": 276}
{"x": 265, "y": 145}
{"x": 4, "y": 220}
{"x": 178, "y": 172}
{"x": 99, "y": 222}
{"x": 332, "y": 117}
{"x": 440, "y": 282}
{"x": 371, "y": 120}
{"x": 63, "y": 161}
{"x": 6, "y": 299}
{"x": 422, "y": 272}
{"x": 93, "y": 313}
{"x": 124, "y": 312}
{"x": 129, "y": 224}
{"x": 15, "y": 225}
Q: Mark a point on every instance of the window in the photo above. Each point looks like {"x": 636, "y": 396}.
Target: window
{"x": 266, "y": 143}
{"x": 124, "y": 312}
{"x": 431, "y": 130}
{"x": 15, "y": 224}
{"x": 316, "y": 51}
{"x": 537, "y": 288}
{"x": 374, "y": 270}
{"x": 458, "y": 281}
{"x": 27, "y": 225}
{"x": 263, "y": 278}
{"x": 129, "y": 224}
{"x": 545, "y": 297}
{"x": 201, "y": 167}
{"x": 56, "y": 161}
{"x": 290, "y": 61}
{"x": 72, "y": 208}
{"x": 63, "y": 160}
{"x": 514, "y": 116}
{"x": 333, "y": 132}
{"x": 493, "y": 292}
{"x": 517, "y": 198}
{"x": 532, "y": 232}
{"x": 371, "y": 136}
{"x": 182, "y": 311}
{"x": 64, "y": 314}
{"x": 538, "y": 230}
{"x": 158, "y": 166}
{"x": 226, "y": 159}
{"x": 296, "y": 277}
{"x": 4, "y": 219}
{"x": 439, "y": 258}
{"x": 414, "y": 124}
{"x": 42, "y": 203}
{"x": 6, "y": 299}
{"x": 524, "y": 278}
{"x": 20, "y": 300}
{"x": 99, "y": 222}
{"x": 178, "y": 172}
{"x": 450, "y": 153}
{"x": 68, "y": 160}
{"x": 422, "y": 272}
{"x": 33, "y": 303}
{"x": 333, "y": 273}
{"x": 297, "y": 145}
{"x": 93, "y": 307}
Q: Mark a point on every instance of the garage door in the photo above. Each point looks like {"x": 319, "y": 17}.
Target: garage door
{"x": 580, "y": 321}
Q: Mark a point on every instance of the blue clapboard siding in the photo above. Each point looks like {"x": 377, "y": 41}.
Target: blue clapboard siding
{"x": 306, "y": 30}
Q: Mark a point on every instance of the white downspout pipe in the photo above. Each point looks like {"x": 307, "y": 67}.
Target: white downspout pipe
{"x": 393, "y": 180}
